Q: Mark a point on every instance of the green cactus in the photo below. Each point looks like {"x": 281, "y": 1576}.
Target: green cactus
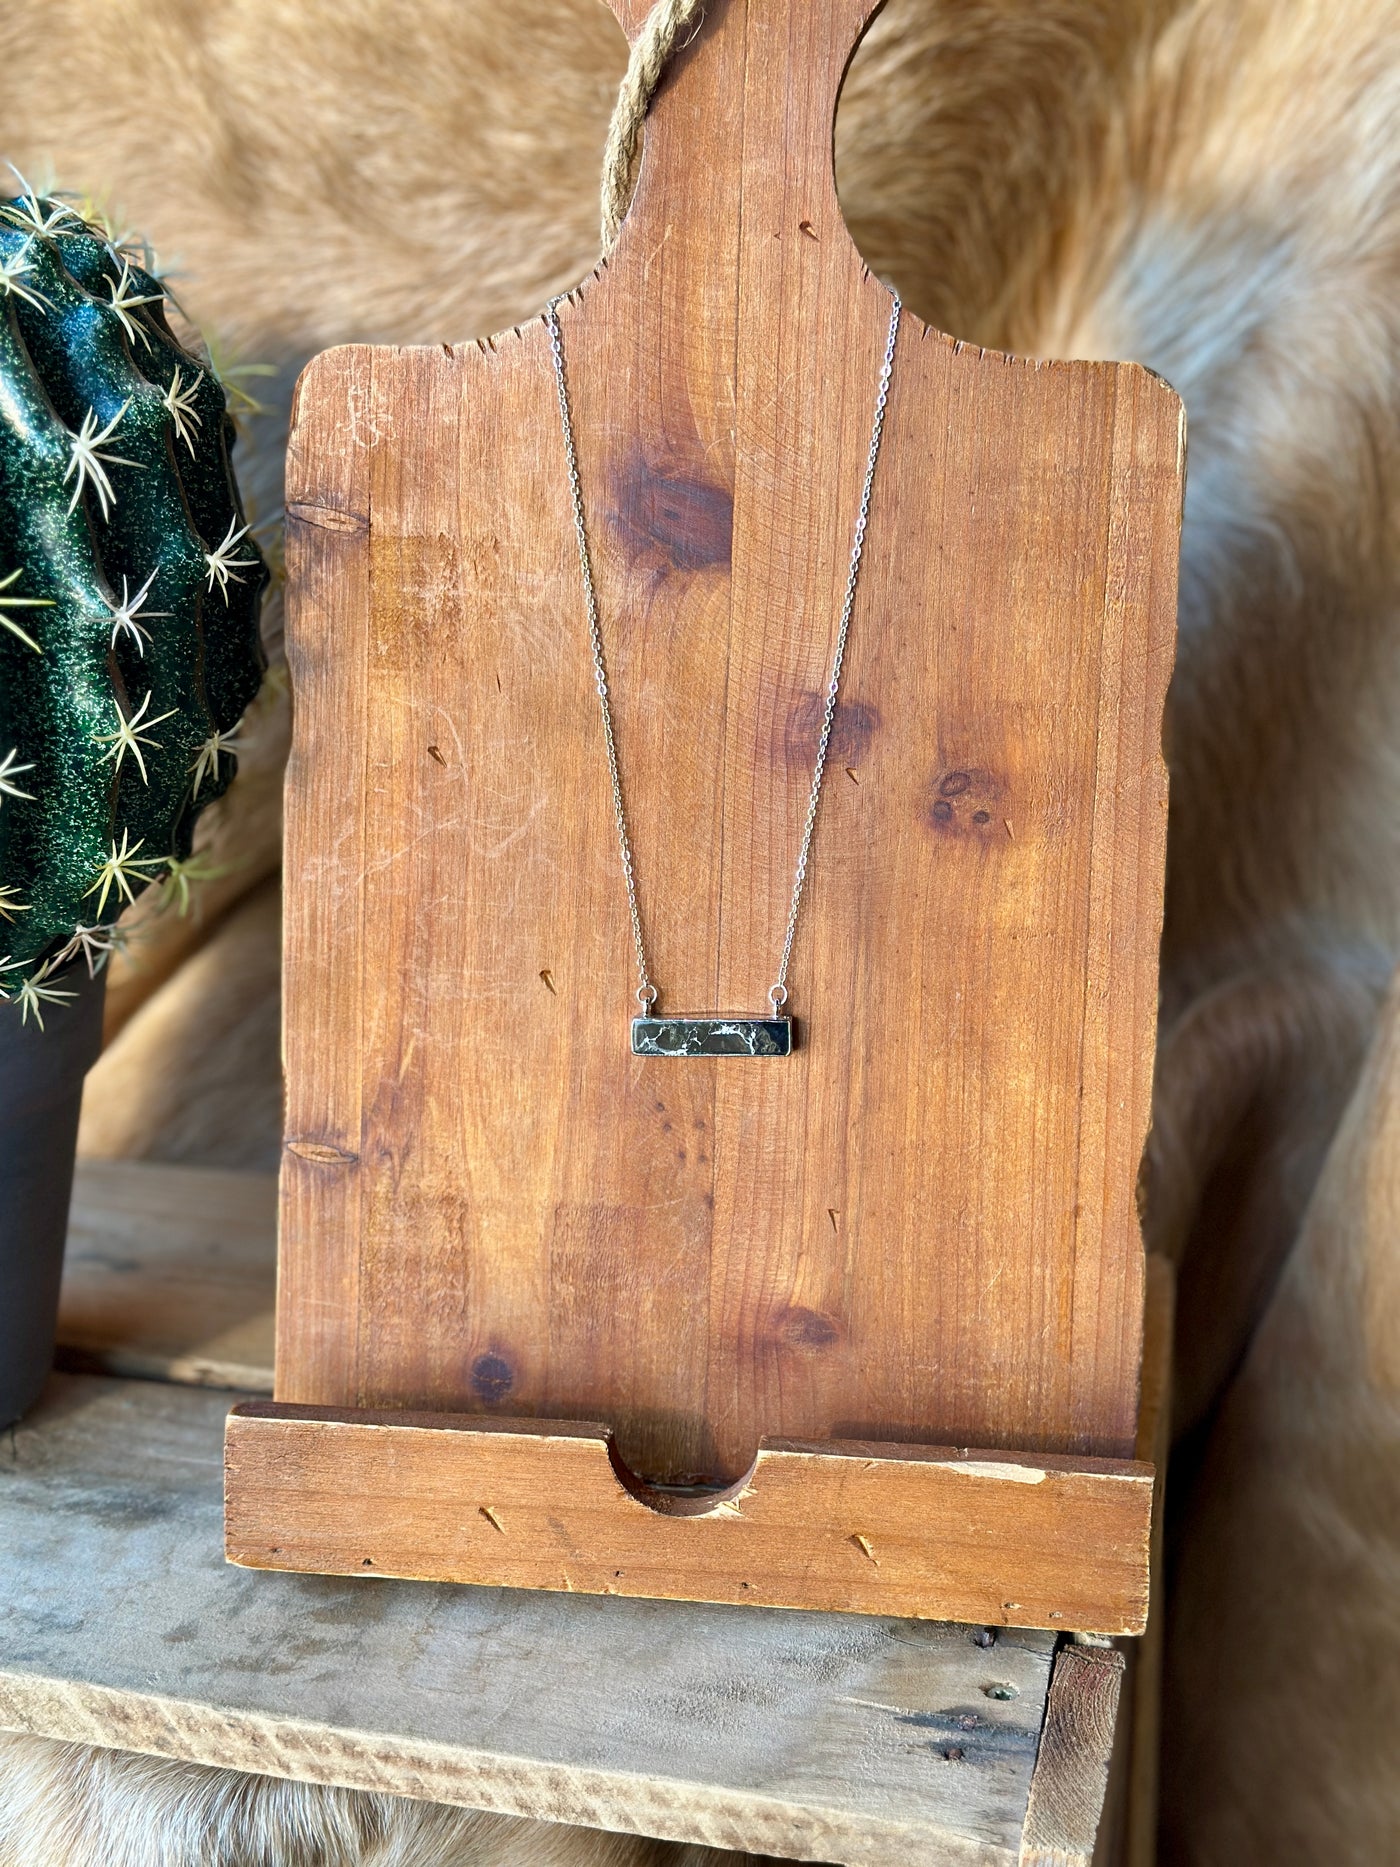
{"x": 129, "y": 592}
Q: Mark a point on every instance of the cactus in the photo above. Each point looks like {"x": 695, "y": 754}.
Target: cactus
{"x": 129, "y": 592}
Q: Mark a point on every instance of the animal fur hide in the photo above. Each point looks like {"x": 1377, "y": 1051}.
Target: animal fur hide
{"x": 1211, "y": 186}
{"x": 64, "y": 1805}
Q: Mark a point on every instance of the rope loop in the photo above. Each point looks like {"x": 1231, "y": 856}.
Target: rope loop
{"x": 656, "y": 42}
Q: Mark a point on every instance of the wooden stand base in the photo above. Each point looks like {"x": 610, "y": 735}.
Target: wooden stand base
{"x": 931, "y": 1533}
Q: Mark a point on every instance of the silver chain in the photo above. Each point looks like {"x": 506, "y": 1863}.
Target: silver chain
{"x": 646, "y": 991}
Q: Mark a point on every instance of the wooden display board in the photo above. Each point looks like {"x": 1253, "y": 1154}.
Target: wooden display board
{"x": 919, "y": 1231}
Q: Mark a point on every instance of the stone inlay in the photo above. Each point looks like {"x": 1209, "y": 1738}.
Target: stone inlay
{"x": 712, "y": 1037}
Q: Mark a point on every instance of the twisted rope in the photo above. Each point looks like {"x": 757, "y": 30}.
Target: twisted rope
{"x": 666, "y": 22}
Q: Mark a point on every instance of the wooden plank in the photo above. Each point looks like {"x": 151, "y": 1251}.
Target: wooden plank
{"x": 325, "y": 534}
{"x": 170, "y": 1274}
{"x": 1071, "y": 1771}
{"x": 1144, "y": 1735}
{"x": 1128, "y": 1826}
{"x": 836, "y": 1738}
{"x": 860, "y": 1528}
{"x": 920, "y": 1228}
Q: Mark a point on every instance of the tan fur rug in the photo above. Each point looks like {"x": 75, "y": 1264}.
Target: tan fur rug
{"x": 1212, "y": 187}
{"x": 63, "y": 1805}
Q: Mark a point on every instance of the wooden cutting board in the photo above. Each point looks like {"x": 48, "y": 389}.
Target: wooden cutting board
{"x": 920, "y": 1229}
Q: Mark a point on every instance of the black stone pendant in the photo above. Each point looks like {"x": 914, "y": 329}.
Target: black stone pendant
{"x": 712, "y": 1037}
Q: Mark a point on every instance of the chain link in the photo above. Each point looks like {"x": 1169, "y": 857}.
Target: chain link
{"x": 646, "y": 991}
{"x": 777, "y": 994}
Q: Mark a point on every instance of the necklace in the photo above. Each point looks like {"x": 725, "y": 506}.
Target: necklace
{"x": 654, "y": 1036}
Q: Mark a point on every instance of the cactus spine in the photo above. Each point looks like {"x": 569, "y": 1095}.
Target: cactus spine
{"x": 129, "y": 592}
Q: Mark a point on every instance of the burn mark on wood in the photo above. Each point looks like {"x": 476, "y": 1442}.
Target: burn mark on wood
{"x": 956, "y": 1730}
{"x": 963, "y": 801}
{"x": 805, "y": 1331}
{"x": 667, "y": 515}
{"x": 492, "y": 1378}
{"x": 853, "y": 733}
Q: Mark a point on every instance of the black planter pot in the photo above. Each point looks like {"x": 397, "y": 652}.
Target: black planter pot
{"x": 41, "y": 1090}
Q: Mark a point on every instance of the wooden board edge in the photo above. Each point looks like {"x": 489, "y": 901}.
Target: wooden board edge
{"x": 115, "y": 1362}
{"x": 669, "y": 1809}
{"x": 1070, "y": 1779}
{"x": 1145, "y": 1685}
{"x": 1128, "y": 1825}
{"x": 930, "y": 1533}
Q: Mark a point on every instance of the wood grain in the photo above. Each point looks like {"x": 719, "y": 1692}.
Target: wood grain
{"x": 1067, "y": 1792}
{"x": 855, "y": 1528}
{"x": 818, "y": 1737}
{"x": 170, "y": 1274}
{"x": 920, "y": 1229}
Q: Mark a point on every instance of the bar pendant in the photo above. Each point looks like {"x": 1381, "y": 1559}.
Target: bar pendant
{"x": 712, "y": 1037}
